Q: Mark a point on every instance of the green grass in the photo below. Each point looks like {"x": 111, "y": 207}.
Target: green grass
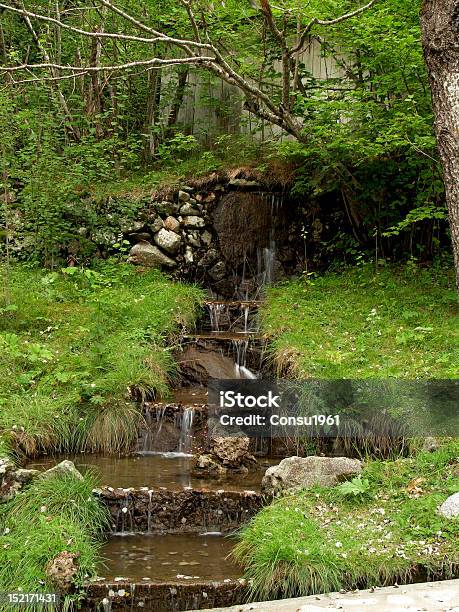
{"x": 53, "y": 515}
{"x": 77, "y": 347}
{"x": 398, "y": 322}
{"x": 320, "y": 540}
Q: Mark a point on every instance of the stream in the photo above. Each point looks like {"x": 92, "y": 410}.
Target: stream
{"x": 171, "y": 530}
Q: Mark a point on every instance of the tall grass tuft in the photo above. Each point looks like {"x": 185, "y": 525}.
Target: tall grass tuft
{"x": 324, "y": 539}
{"x": 54, "y": 514}
{"x": 113, "y": 429}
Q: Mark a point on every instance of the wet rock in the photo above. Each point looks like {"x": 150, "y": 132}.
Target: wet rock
{"x": 189, "y": 258}
{"x": 157, "y": 225}
{"x": 303, "y": 472}
{"x": 206, "y": 237}
{"x": 64, "y": 468}
{"x": 241, "y": 183}
{"x": 208, "y": 466}
{"x": 218, "y": 271}
{"x": 167, "y": 240}
{"x": 193, "y": 221}
{"x": 145, "y": 254}
{"x": 450, "y": 507}
{"x": 183, "y": 196}
{"x": 62, "y": 570}
{"x": 172, "y": 224}
{"x": 202, "y": 509}
{"x": 208, "y": 259}
{"x": 232, "y": 452}
{"x": 189, "y": 209}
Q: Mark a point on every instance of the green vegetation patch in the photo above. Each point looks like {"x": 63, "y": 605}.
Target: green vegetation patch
{"x": 381, "y": 528}
{"x": 77, "y": 346}
{"x": 55, "y": 514}
{"x": 357, "y": 323}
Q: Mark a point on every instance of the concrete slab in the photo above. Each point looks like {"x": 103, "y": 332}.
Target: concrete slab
{"x": 423, "y": 597}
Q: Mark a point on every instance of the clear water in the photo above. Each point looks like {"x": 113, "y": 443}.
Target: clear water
{"x": 169, "y": 558}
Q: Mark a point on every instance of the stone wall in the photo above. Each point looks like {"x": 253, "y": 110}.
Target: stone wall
{"x": 235, "y": 234}
{"x": 190, "y": 510}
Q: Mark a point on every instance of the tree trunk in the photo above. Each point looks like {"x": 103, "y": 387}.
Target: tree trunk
{"x": 440, "y": 38}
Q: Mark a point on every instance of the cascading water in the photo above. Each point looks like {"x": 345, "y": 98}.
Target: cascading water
{"x": 186, "y": 424}
{"x": 124, "y": 520}
{"x": 215, "y": 311}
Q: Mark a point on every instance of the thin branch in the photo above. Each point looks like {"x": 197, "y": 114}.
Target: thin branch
{"x": 329, "y": 22}
{"x": 191, "y": 17}
{"x": 159, "y": 36}
{"x": 151, "y": 62}
{"x": 51, "y": 78}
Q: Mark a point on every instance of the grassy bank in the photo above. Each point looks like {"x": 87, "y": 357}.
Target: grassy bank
{"x": 77, "y": 346}
{"x": 399, "y": 321}
{"x": 53, "y": 515}
{"x": 385, "y": 530}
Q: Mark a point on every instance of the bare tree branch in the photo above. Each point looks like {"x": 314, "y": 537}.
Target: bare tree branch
{"x": 113, "y": 35}
{"x": 329, "y": 22}
{"x": 151, "y": 62}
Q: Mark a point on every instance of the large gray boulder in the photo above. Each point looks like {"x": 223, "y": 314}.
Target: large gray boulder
{"x": 64, "y": 468}
{"x": 168, "y": 241}
{"x": 144, "y": 254}
{"x": 450, "y": 507}
{"x": 296, "y": 473}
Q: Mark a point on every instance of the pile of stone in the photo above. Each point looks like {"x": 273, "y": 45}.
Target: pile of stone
{"x": 223, "y": 456}
{"x": 13, "y": 479}
{"x": 177, "y": 231}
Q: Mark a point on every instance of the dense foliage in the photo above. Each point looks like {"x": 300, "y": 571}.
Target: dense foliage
{"x": 366, "y": 118}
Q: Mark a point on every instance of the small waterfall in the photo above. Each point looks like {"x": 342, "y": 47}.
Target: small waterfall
{"x": 246, "y": 311}
{"x": 150, "y": 493}
{"x": 153, "y": 425}
{"x": 186, "y": 424}
{"x": 215, "y": 311}
{"x": 240, "y": 350}
{"x": 124, "y": 519}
